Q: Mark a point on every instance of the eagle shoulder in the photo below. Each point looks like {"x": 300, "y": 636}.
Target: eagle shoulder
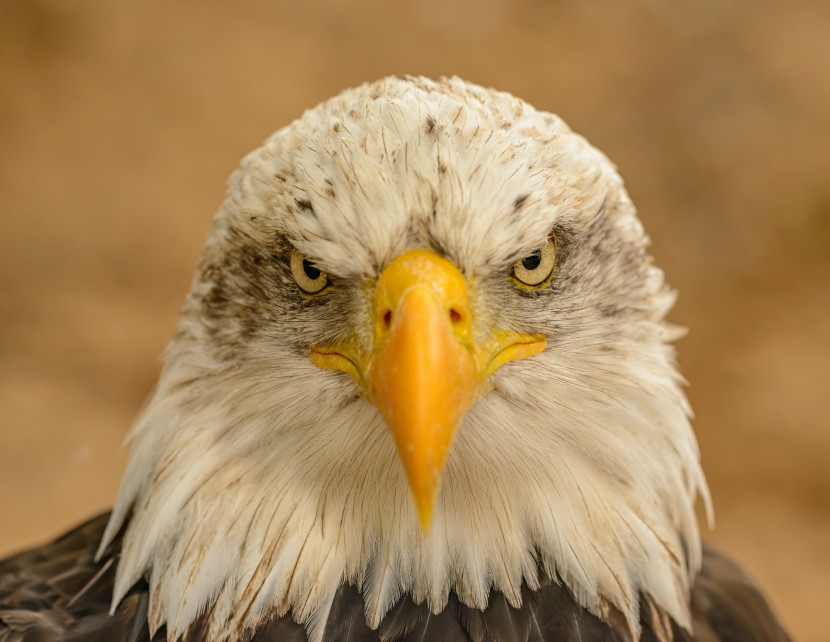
{"x": 728, "y": 607}
{"x": 60, "y": 593}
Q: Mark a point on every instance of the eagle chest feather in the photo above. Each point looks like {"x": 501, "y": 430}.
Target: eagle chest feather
{"x": 59, "y": 593}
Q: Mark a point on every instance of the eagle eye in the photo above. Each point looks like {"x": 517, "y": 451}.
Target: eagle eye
{"x": 532, "y": 262}
{"x": 536, "y": 269}
{"x": 310, "y": 278}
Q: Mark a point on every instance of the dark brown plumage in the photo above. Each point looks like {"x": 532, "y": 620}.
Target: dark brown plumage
{"x": 58, "y": 593}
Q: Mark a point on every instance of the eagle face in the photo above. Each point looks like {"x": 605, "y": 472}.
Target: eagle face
{"x": 423, "y": 352}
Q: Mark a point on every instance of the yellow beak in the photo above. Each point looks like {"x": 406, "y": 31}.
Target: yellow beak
{"x": 425, "y": 366}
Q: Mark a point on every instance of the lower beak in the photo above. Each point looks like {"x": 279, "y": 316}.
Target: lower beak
{"x": 425, "y": 367}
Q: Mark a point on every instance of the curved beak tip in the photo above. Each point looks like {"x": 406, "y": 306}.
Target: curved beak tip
{"x": 425, "y": 519}
{"x": 424, "y": 506}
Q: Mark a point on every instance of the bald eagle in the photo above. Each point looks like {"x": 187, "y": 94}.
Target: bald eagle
{"x": 421, "y": 389}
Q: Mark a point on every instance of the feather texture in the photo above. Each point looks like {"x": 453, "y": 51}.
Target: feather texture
{"x": 58, "y": 593}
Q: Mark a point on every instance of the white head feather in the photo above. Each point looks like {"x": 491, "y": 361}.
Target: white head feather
{"x": 258, "y": 483}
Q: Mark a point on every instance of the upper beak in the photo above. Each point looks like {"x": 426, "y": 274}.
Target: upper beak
{"x": 426, "y": 365}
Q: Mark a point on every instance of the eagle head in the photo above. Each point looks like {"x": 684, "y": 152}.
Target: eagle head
{"x": 424, "y": 352}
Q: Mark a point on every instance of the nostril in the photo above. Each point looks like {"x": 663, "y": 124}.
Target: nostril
{"x": 387, "y": 319}
{"x": 455, "y": 316}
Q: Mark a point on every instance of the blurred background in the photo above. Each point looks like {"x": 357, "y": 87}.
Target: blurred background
{"x": 120, "y": 121}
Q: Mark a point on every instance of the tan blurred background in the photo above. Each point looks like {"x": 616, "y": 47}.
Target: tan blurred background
{"x": 119, "y": 122}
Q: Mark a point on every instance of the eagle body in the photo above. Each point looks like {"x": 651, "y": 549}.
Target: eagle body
{"x": 421, "y": 389}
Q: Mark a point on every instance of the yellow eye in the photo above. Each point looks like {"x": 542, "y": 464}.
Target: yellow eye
{"x": 308, "y": 276}
{"x": 536, "y": 269}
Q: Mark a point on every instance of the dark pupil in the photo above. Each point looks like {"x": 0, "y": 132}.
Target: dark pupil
{"x": 310, "y": 271}
{"x": 532, "y": 262}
